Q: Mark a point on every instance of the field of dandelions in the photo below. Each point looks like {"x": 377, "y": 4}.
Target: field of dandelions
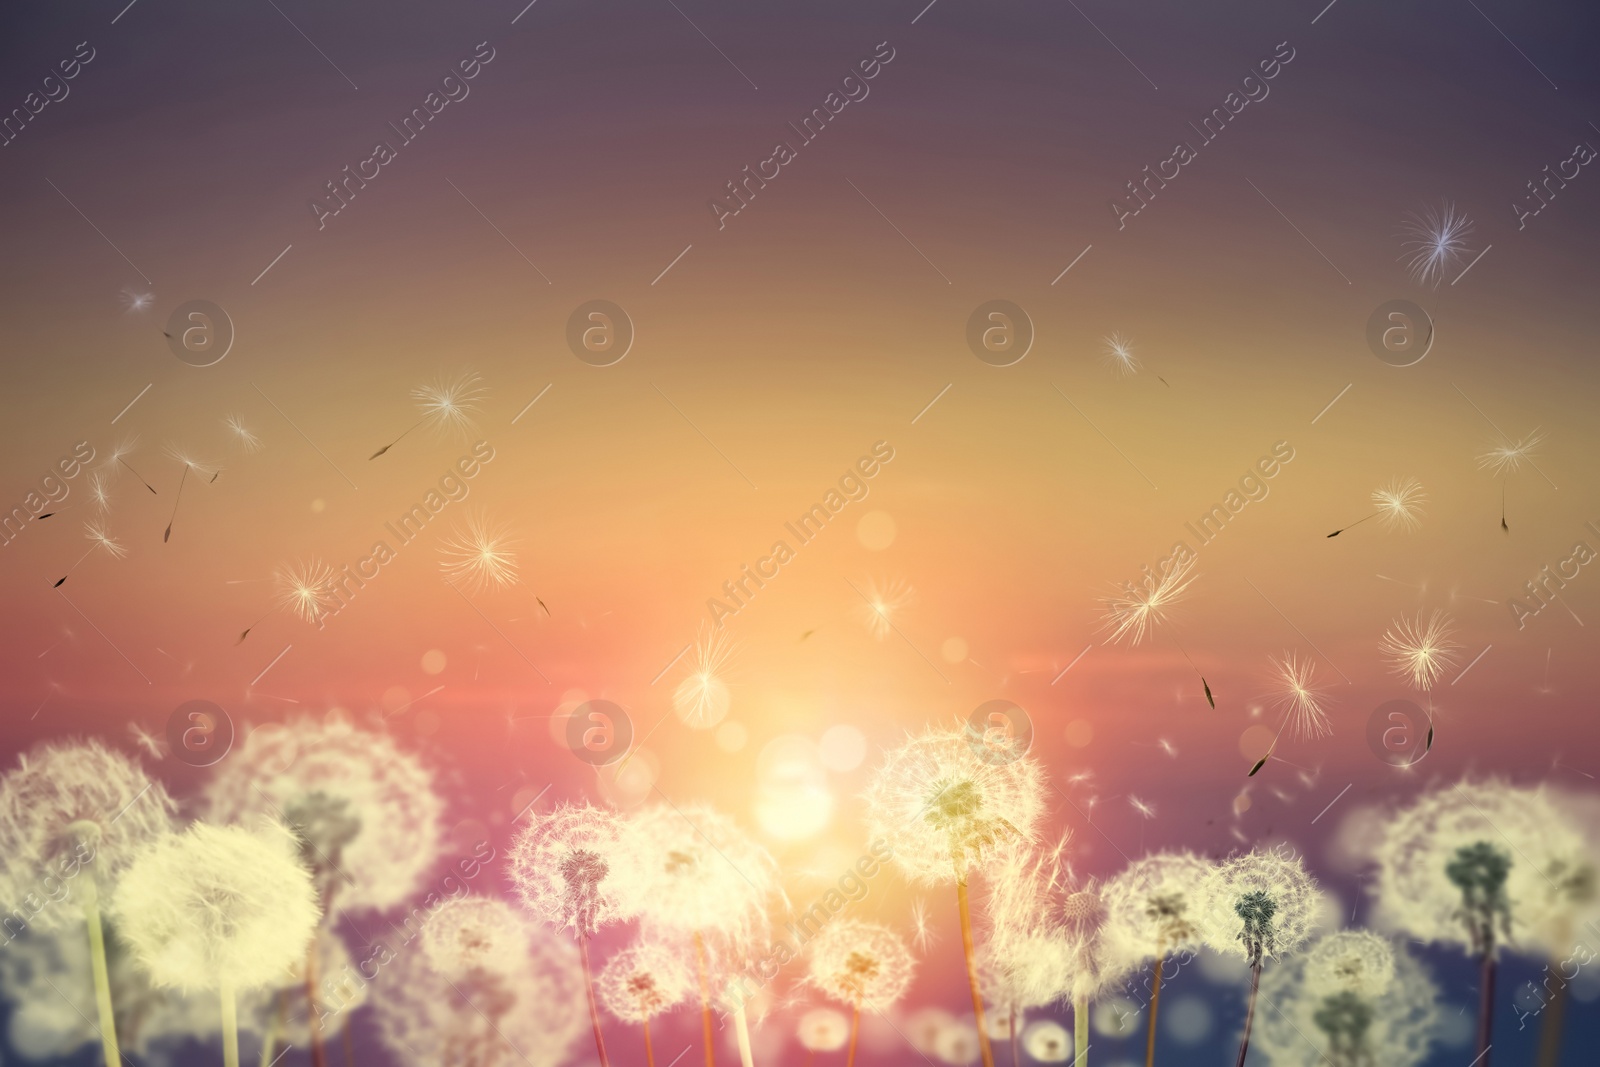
{"x": 302, "y": 907}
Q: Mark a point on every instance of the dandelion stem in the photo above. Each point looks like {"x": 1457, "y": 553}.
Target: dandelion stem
{"x": 705, "y": 998}
{"x": 594, "y": 1007}
{"x": 269, "y": 1043}
{"x": 102, "y": 977}
{"x": 649, "y": 1053}
{"x": 1486, "y": 1008}
{"x": 965, "y": 908}
{"x": 230, "y": 1024}
{"x": 1080, "y": 1032}
{"x": 1250, "y": 1011}
{"x": 1016, "y": 1058}
{"x": 855, "y": 1029}
{"x": 1155, "y": 1002}
{"x": 741, "y": 1030}
{"x": 349, "y": 1046}
{"x": 1353, "y": 525}
{"x": 319, "y": 1054}
{"x": 1550, "y": 1029}
{"x": 396, "y": 441}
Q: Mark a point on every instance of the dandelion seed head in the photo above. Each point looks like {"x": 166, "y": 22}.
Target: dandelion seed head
{"x": 823, "y": 1030}
{"x": 863, "y": 964}
{"x": 1399, "y": 504}
{"x": 479, "y": 556}
{"x": 367, "y": 812}
{"x": 1299, "y": 697}
{"x": 306, "y": 589}
{"x": 690, "y": 869}
{"x": 1312, "y": 1026}
{"x": 1420, "y": 650}
{"x": 1508, "y": 456}
{"x": 1153, "y": 907}
{"x": 451, "y": 403}
{"x": 1024, "y": 961}
{"x": 884, "y": 601}
{"x": 474, "y": 933}
{"x": 217, "y": 904}
{"x": 1351, "y": 961}
{"x": 71, "y": 800}
{"x": 102, "y": 539}
{"x": 1421, "y": 887}
{"x": 1433, "y": 241}
{"x": 944, "y": 806}
{"x": 1136, "y": 611}
{"x": 644, "y": 980}
{"x": 562, "y": 865}
{"x": 1259, "y": 905}
{"x": 1119, "y": 355}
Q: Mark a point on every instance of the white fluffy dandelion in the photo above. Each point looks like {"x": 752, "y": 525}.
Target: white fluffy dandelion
{"x": 72, "y": 818}
{"x": 473, "y": 933}
{"x": 644, "y": 980}
{"x": 1047, "y": 1042}
{"x": 479, "y": 556}
{"x": 863, "y": 964}
{"x": 1260, "y": 905}
{"x": 563, "y": 867}
{"x": 1420, "y": 650}
{"x": 218, "y": 908}
{"x": 1433, "y": 241}
{"x": 945, "y": 802}
{"x": 1025, "y": 960}
{"x": 1096, "y": 962}
{"x": 1351, "y": 961}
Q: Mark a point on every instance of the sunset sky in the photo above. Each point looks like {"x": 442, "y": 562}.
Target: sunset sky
{"x": 774, "y": 349}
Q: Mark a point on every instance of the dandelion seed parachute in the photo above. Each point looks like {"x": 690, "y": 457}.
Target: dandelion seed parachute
{"x": 1420, "y": 650}
{"x": 479, "y": 556}
{"x": 1433, "y": 241}
{"x": 563, "y": 866}
{"x": 644, "y": 980}
{"x": 324, "y": 774}
{"x": 521, "y": 1017}
{"x": 306, "y": 589}
{"x": 1299, "y": 697}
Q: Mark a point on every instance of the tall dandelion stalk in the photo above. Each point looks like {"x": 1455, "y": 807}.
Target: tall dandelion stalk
{"x": 223, "y": 909}
{"x": 78, "y": 813}
{"x": 946, "y": 802}
{"x": 1259, "y": 906}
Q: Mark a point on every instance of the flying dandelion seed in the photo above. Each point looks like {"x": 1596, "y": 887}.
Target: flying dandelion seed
{"x": 1420, "y": 650}
{"x": 119, "y": 454}
{"x": 99, "y": 538}
{"x": 1168, "y": 747}
{"x": 1300, "y": 697}
{"x": 1119, "y": 355}
{"x": 1399, "y": 505}
{"x": 134, "y": 301}
{"x": 883, "y": 603}
{"x": 1433, "y": 241}
{"x": 1136, "y": 611}
{"x": 246, "y": 437}
{"x": 922, "y": 929}
{"x": 446, "y": 404}
{"x": 100, "y": 491}
{"x": 702, "y": 698}
{"x": 479, "y": 555}
{"x": 1507, "y": 458}
{"x": 306, "y": 589}
{"x": 1144, "y": 808}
